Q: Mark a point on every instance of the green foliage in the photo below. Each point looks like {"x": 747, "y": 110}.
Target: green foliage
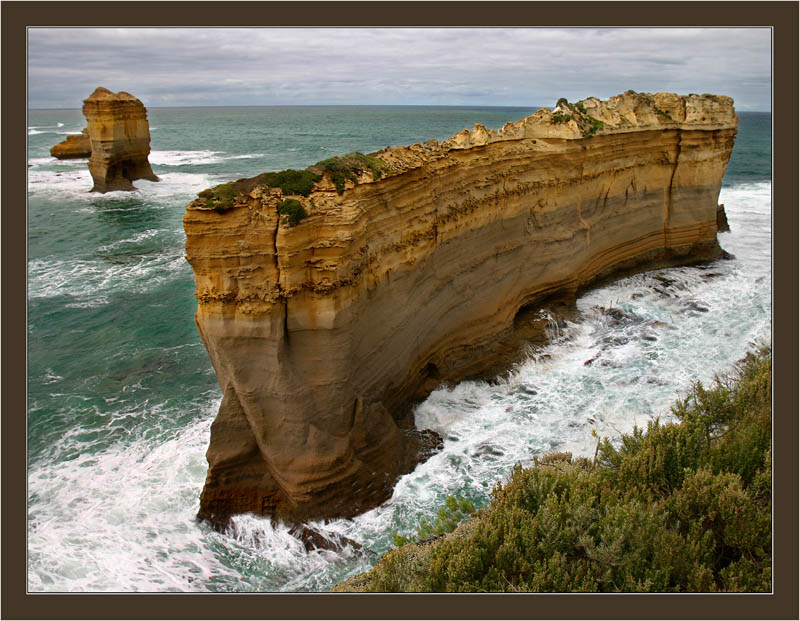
{"x": 662, "y": 113}
{"x": 292, "y": 182}
{"x": 292, "y": 211}
{"x": 591, "y": 125}
{"x": 347, "y": 168}
{"x": 220, "y": 197}
{"x": 298, "y": 182}
{"x": 455, "y": 511}
{"x": 588, "y": 124}
{"x": 675, "y": 507}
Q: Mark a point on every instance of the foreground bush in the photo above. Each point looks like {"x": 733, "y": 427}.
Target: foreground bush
{"x": 681, "y": 506}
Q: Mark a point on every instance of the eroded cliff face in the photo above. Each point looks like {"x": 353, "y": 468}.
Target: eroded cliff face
{"x": 120, "y": 140}
{"x": 323, "y": 333}
{"x": 74, "y": 147}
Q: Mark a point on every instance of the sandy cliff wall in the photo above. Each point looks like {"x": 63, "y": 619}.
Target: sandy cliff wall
{"x": 120, "y": 140}
{"x": 322, "y": 333}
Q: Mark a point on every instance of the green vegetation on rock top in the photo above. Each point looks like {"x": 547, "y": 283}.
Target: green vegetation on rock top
{"x": 220, "y": 197}
{"x": 342, "y": 168}
{"x": 293, "y": 182}
{"x": 682, "y": 506}
{"x": 588, "y": 124}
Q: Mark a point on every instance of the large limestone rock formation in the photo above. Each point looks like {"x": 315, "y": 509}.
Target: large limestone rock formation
{"x": 74, "y": 147}
{"x": 322, "y": 333}
{"x": 120, "y": 140}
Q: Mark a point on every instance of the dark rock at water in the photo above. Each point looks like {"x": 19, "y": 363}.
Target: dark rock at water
{"x": 722, "y": 220}
{"x": 487, "y": 448}
{"x": 695, "y": 306}
{"x": 314, "y": 540}
{"x": 429, "y": 442}
{"x": 591, "y": 360}
{"x": 522, "y": 389}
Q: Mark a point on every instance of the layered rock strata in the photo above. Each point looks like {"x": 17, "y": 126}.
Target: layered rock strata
{"x": 75, "y": 146}
{"x": 323, "y": 333}
{"x": 120, "y": 140}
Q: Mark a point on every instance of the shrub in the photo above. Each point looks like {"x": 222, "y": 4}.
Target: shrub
{"x": 588, "y": 125}
{"x": 347, "y": 168}
{"x": 683, "y": 506}
{"x": 454, "y": 511}
{"x": 292, "y": 182}
{"x": 292, "y": 211}
{"x": 220, "y": 197}
{"x": 299, "y": 182}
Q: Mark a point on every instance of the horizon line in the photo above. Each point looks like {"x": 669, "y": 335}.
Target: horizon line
{"x": 331, "y": 105}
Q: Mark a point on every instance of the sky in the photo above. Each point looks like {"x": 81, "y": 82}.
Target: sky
{"x": 394, "y": 66}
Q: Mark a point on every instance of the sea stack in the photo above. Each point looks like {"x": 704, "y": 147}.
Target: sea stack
{"x": 76, "y": 146}
{"x": 120, "y": 140}
{"x": 329, "y": 308}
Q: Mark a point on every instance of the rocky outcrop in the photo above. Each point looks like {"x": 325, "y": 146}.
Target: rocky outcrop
{"x": 74, "y": 147}
{"x": 120, "y": 140}
{"x": 420, "y": 267}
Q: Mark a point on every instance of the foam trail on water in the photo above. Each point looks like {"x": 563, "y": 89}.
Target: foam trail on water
{"x": 88, "y": 278}
{"x": 183, "y": 158}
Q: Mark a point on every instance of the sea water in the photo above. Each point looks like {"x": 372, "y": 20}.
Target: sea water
{"x": 121, "y": 393}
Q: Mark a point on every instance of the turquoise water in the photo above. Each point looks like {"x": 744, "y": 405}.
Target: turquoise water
{"x": 121, "y": 393}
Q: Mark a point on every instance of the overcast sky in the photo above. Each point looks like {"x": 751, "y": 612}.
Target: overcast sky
{"x": 457, "y": 66}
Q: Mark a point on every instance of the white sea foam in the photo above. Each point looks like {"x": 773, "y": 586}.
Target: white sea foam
{"x": 141, "y": 236}
{"x": 184, "y": 158}
{"x": 89, "y": 282}
{"x": 121, "y": 519}
{"x": 42, "y": 161}
{"x": 71, "y": 180}
{"x": 50, "y": 377}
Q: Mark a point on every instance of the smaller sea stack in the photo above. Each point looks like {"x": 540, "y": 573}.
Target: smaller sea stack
{"x": 120, "y": 140}
{"x": 76, "y": 146}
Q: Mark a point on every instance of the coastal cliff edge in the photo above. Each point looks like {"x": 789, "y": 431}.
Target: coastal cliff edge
{"x": 331, "y": 299}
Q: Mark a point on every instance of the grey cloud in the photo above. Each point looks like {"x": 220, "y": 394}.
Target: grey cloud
{"x": 524, "y": 66}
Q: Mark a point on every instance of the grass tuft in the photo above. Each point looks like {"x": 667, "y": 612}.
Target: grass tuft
{"x": 292, "y": 211}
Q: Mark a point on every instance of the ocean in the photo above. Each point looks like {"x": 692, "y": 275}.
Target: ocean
{"x": 121, "y": 393}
